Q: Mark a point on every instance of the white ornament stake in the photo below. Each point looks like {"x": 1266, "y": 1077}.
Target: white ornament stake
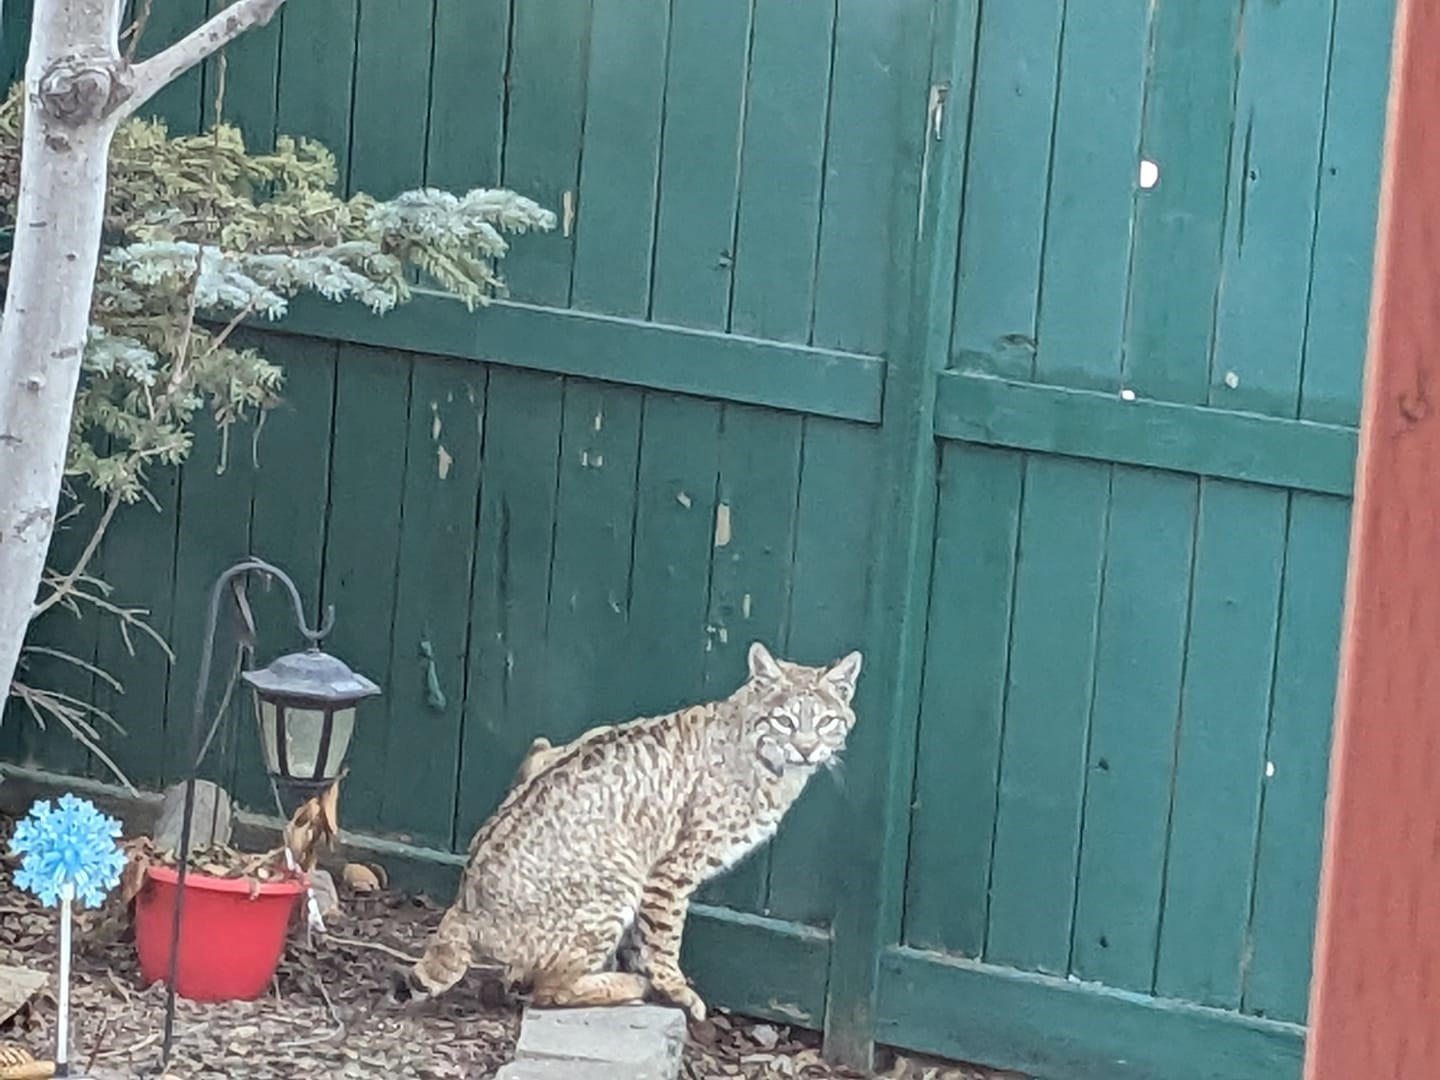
{"x": 68, "y": 854}
{"x": 62, "y": 1025}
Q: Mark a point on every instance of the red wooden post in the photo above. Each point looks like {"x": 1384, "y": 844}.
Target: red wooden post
{"x": 1375, "y": 1002}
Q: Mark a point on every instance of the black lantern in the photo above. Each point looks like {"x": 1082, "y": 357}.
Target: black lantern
{"x": 305, "y": 703}
{"x": 305, "y": 707}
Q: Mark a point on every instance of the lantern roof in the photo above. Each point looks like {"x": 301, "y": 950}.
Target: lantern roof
{"x": 311, "y": 674}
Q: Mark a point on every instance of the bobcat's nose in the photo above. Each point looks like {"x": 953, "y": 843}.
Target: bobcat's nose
{"x": 807, "y": 744}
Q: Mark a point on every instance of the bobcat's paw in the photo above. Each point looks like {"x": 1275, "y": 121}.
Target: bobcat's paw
{"x": 686, "y": 999}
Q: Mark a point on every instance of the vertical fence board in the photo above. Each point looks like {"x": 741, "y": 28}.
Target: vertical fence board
{"x": 1047, "y": 709}
{"x": 699, "y": 162}
{"x": 855, "y": 276}
{"x": 317, "y": 75}
{"x": 1144, "y": 604}
{"x": 1086, "y": 263}
{"x": 362, "y": 549}
{"x": 1274, "y": 163}
{"x": 430, "y": 634}
{"x": 1002, "y": 231}
{"x": 590, "y": 569}
{"x": 252, "y": 69}
{"x": 287, "y": 527}
{"x": 1219, "y": 754}
{"x": 1189, "y": 113}
{"x": 392, "y": 96}
{"x": 779, "y": 222}
{"x": 957, "y": 762}
{"x": 674, "y": 536}
{"x": 826, "y": 620}
{"x": 507, "y": 669}
{"x": 615, "y": 209}
{"x": 468, "y": 70}
{"x": 750, "y": 578}
{"x": 1287, "y": 868}
{"x": 216, "y": 484}
{"x": 140, "y": 552}
{"x": 72, "y": 633}
{"x": 178, "y": 103}
{"x": 1348, "y": 200}
{"x": 542, "y": 136}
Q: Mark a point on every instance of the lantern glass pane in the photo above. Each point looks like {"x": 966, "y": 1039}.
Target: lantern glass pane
{"x": 265, "y": 715}
{"x": 303, "y": 729}
{"x": 342, "y": 726}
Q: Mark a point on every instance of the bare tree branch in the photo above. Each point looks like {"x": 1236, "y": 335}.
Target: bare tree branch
{"x": 152, "y": 75}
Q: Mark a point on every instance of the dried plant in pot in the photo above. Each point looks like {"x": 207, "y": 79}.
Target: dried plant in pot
{"x": 237, "y": 910}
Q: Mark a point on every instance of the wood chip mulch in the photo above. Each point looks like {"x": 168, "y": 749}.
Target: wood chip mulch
{"x": 328, "y": 1013}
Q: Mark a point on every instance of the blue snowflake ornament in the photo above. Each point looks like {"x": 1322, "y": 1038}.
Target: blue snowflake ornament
{"x": 69, "y": 844}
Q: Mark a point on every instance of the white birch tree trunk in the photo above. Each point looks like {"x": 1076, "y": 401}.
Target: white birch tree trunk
{"x": 78, "y": 90}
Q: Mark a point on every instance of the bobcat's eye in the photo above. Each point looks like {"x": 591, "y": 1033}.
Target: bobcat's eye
{"x": 783, "y": 721}
{"x": 828, "y": 725}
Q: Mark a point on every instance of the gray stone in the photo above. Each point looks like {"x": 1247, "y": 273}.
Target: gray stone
{"x": 645, "y": 1040}
{"x": 211, "y": 820}
{"x": 570, "y": 1069}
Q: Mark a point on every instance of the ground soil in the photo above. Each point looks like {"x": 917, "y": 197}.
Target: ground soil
{"x": 328, "y": 1012}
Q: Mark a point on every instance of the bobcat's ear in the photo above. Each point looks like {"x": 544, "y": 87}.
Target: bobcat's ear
{"x": 843, "y": 675}
{"x": 762, "y": 665}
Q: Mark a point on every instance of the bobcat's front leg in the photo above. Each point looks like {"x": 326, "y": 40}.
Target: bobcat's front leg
{"x": 661, "y": 924}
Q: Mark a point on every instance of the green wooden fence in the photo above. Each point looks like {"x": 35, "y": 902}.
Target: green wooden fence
{"x": 860, "y": 330}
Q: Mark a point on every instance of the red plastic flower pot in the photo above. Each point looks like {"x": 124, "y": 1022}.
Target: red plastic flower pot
{"x": 230, "y": 941}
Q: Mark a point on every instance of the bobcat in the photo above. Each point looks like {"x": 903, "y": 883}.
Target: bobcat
{"x": 600, "y": 843}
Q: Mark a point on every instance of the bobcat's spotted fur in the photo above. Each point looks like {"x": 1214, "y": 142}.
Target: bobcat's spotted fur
{"x": 615, "y": 831}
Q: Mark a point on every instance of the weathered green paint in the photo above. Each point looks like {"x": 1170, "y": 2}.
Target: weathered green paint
{"x": 1180, "y": 221}
{"x": 1292, "y": 813}
{"x": 287, "y": 523}
{"x": 545, "y": 84}
{"x": 1003, "y": 227}
{"x": 310, "y": 58}
{"x": 1095, "y": 566}
{"x": 514, "y": 541}
{"x": 1163, "y": 435}
{"x": 466, "y": 131}
{"x": 615, "y": 209}
{"x": 590, "y": 564}
{"x": 1275, "y": 156}
{"x": 390, "y": 104}
{"x": 362, "y": 529}
{"x": 251, "y": 68}
{"x": 821, "y": 382}
{"x": 216, "y": 485}
{"x": 1048, "y": 692}
{"x": 750, "y": 576}
{"x": 699, "y": 163}
{"x": 1139, "y": 660}
{"x": 429, "y": 632}
{"x": 1220, "y": 742}
{"x": 1056, "y": 1029}
{"x": 141, "y": 540}
{"x": 1348, "y": 200}
{"x": 1080, "y": 328}
{"x": 829, "y": 589}
{"x": 958, "y": 754}
{"x": 777, "y": 232}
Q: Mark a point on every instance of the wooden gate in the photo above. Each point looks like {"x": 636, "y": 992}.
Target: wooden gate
{"x": 1018, "y": 343}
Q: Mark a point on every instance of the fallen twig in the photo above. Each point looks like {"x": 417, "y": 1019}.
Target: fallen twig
{"x": 377, "y": 946}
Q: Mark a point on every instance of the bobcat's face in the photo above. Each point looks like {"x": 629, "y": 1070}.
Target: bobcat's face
{"x": 802, "y": 715}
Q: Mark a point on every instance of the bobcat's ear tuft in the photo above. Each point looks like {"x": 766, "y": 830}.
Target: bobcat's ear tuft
{"x": 843, "y": 675}
{"x": 762, "y": 665}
